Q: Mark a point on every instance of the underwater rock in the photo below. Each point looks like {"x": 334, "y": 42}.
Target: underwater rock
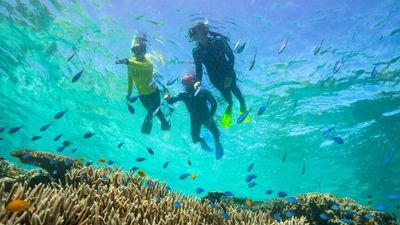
{"x": 56, "y": 165}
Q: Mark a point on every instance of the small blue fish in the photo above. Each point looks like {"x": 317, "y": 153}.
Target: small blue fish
{"x": 228, "y": 193}
{"x": 184, "y": 175}
{"x": 393, "y": 196}
{"x": 168, "y": 188}
{"x": 367, "y": 216}
{"x": 189, "y": 162}
{"x": 328, "y": 132}
{"x": 241, "y": 48}
{"x": 88, "y": 135}
{"x": 213, "y": 205}
{"x": 283, "y": 46}
{"x": 243, "y": 116}
{"x": 69, "y": 58}
{"x": 133, "y": 169}
{"x": 338, "y": 140}
{"x": 60, "y": 114}
{"x": 77, "y": 76}
{"x": 44, "y": 127}
{"x": 140, "y": 159}
{"x": 250, "y": 177}
{"x": 165, "y": 165}
{"x": 120, "y": 144}
{"x": 323, "y": 216}
{"x": 66, "y": 143}
{"x": 26, "y": 155}
{"x": 226, "y": 216}
{"x": 34, "y": 138}
{"x": 2, "y": 129}
{"x": 131, "y": 109}
{"x": 250, "y": 167}
{"x": 261, "y": 110}
{"x": 246, "y": 206}
{"x": 293, "y": 200}
{"x": 281, "y": 194}
{"x": 171, "y": 82}
{"x": 158, "y": 199}
{"x": 253, "y": 61}
{"x": 149, "y": 185}
{"x": 134, "y": 99}
{"x": 152, "y": 82}
{"x": 157, "y": 110}
{"x": 15, "y": 129}
{"x": 277, "y": 216}
{"x": 2, "y": 158}
{"x": 68, "y": 162}
{"x": 150, "y": 151}
{"x": 345, "y": 220}
{"x": 88, "y": 163}
{"x": 289, "y": 213}
{"x": 381, "y": 207}
{"x": 303, "y": 169}
{"x": 252, "y": 184}
{"x": 104, "y": 178}
{"x": 58, "y": 137}
{"x": 177, "y": 204}
{"x": 269, "y": 191}
{"x": 110, "y": 162}
{"x": 388, "y": 159}
{"x": 61, "y": 148}
{"x": 349, "y": 212}
{"x": 74, "y": 150}
{"x": 335, "y": 207}
{"x": 52, "y": 162}
{"x": 318, "y": 48}
{"x": 337, "y": 66}
{"x": 199, "y": 190}
{"x": 284, "y": 157}
{"x": 224, "y": 197}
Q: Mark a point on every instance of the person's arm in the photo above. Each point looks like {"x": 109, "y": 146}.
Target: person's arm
{"x": 122, "y": 61}
{"x": 130, "y": 82}
{"x": 212, "y": 101}
{"x": 199, "y": 67}
{"x": 171, "y": 100}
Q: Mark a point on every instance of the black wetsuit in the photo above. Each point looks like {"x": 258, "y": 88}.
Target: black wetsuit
{"x": 219, "y": 61}
{"x": 151, "y": 102}
{"x": 199, "y": 112}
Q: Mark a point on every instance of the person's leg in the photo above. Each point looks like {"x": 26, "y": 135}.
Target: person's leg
{"x": 156, "y": 102}
{"x": 148, "y": 120}
{"x": 219, "y": 151}
{"x": 195, "y": 127}
{"x": 236, "y": 91}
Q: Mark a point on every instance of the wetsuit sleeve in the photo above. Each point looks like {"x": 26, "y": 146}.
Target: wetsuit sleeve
{"x": 229, "y": 53}
{"x": 172, "y": 100}
{"x": 212, "y": 101}
{"x": 197, "y": 63}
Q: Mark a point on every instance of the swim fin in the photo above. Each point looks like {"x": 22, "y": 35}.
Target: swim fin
{"x": 247, "y": 119}
{"x": 204, "y": 145}
{"x": 226, "y": 120}
{"x": 219, "y": 151}
{"x": 147, "y": 125}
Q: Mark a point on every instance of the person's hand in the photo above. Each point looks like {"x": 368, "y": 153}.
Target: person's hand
{"x": 167, "y": 96}
{"x": 122, "y": 61}
{"x": 227, "y": 82}
{"x": 128, "y": 98}
{"x": 196, "y": 85}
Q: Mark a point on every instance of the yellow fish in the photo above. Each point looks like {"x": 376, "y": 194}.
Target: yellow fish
{"x": 82, "y": 159}
{"x": 17, "y": 205}
{"x": 12, "y": 174}
{"x": 102, "y": 160}
{"x": 141, "y": 173}
{"x": 194, "y": 176}
{"x": 248, "y": 202}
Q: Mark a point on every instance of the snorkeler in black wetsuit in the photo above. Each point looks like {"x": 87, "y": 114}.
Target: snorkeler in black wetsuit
{"x": 196, "y": 103}
{"x": 215, "y": 53}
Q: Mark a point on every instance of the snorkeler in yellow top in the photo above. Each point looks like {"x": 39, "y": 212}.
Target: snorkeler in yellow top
{"x": 140, "y": 72}
{"x": 214, "y": 52}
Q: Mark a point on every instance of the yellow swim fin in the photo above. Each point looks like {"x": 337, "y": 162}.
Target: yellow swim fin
{"x": 247, "y": 119}
{"x": 226, "y": 120}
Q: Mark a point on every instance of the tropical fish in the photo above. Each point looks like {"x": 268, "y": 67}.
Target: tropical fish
{"x": 189, "y": 162}
{"x": 17, "y": 205}
{"x": 154, "y": 22}
{"x": 44, "y": 127}
{"x": 335, "y": 207}
{"x": 292, "y": 200}
{"x": 66, "y": 143}
{"x": 88, "y": 135}
{"x": 243, "y": 116}
{"x": 262, "y": 109}
{"x": 26, "y": 155}
{"x": 177, "y": 204}
{"x": 2, "y": 129}
{"x": 61, "y": 148}
{"x": 318, "y": 48}
{"x": 252, "y": 184}
{"x": 131, "y": 109}
{"x": 149, "y": 185}
{"x": 194, "y": 176}
{"x": 104, "y": 178}
{"x": 253, "y": 61}
{"x": 88, "y": 163}
{"x": 349, "y": 212}
{"x": 248, "y": 202}
{"x": 284, "y": 157}
{"x": 393, "y": 196}
{"x": 52, "y": 162}
{"x": 69, "y": 58}
{"x": 281, "y": 194}
{"x": 250, "y": 167}
{"x": 134, "y": 168}
{"x": 213, "y": 205}
{"x": 101, "y": 160}
{"x": 12, "y": 174}
{"x": 141, "y": 173}
{"x": 323, "y": 216}
{"x": 15, "y": 129}
{"x": 171, "y": 82}
{"x": 134, "y": 99}
{"x": 183, "y": 176}
{"x": 328, "y": 132}
{"x": 58, "y": 137}
{"x": 250, "y": 177}
{"x": 337, "y": 66}
{"x": 269, "y": 191}
{"x": 381, "y": 207}
{"x": 303, "y": 169}
{"x": 338, "y": 140}
{"x": 120, "y": 144}
{"x": 345, "y": 220}
{"x": 81, "y": 158}
{"x": 59, "y": 114}
{"x": 77, "y": 76}
{"x": 199, "y": 190}
{"x": 156, "y": 111}
{"x": 226, "y": 216}
{"x": 277, "y": 216}
{"x": 388, "y": 159}
{"x": 68, "y": 162}
{"x": 165, "y": 165}
{"x": 150, "y": 151}
{"x": 241, "y": 48}
{"x": 374, "y": 72}
{"x": 152, "y": 82}
{"x": 34, "y": 138}
{"x": 140, "y": 159}
{"x": 74, "y": 150}
{"x": 236, "y": 46}
{"x": 283, "y": 46}
{"x": 110, "y": 162}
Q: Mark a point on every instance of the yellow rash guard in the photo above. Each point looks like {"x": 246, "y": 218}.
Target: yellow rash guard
{"x": 140, "y": 73}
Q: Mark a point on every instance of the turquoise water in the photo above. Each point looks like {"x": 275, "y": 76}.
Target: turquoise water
{"x": 304, "y": 96}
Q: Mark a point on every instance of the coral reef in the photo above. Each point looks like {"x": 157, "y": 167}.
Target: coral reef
{"x": 111, "y": 196}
